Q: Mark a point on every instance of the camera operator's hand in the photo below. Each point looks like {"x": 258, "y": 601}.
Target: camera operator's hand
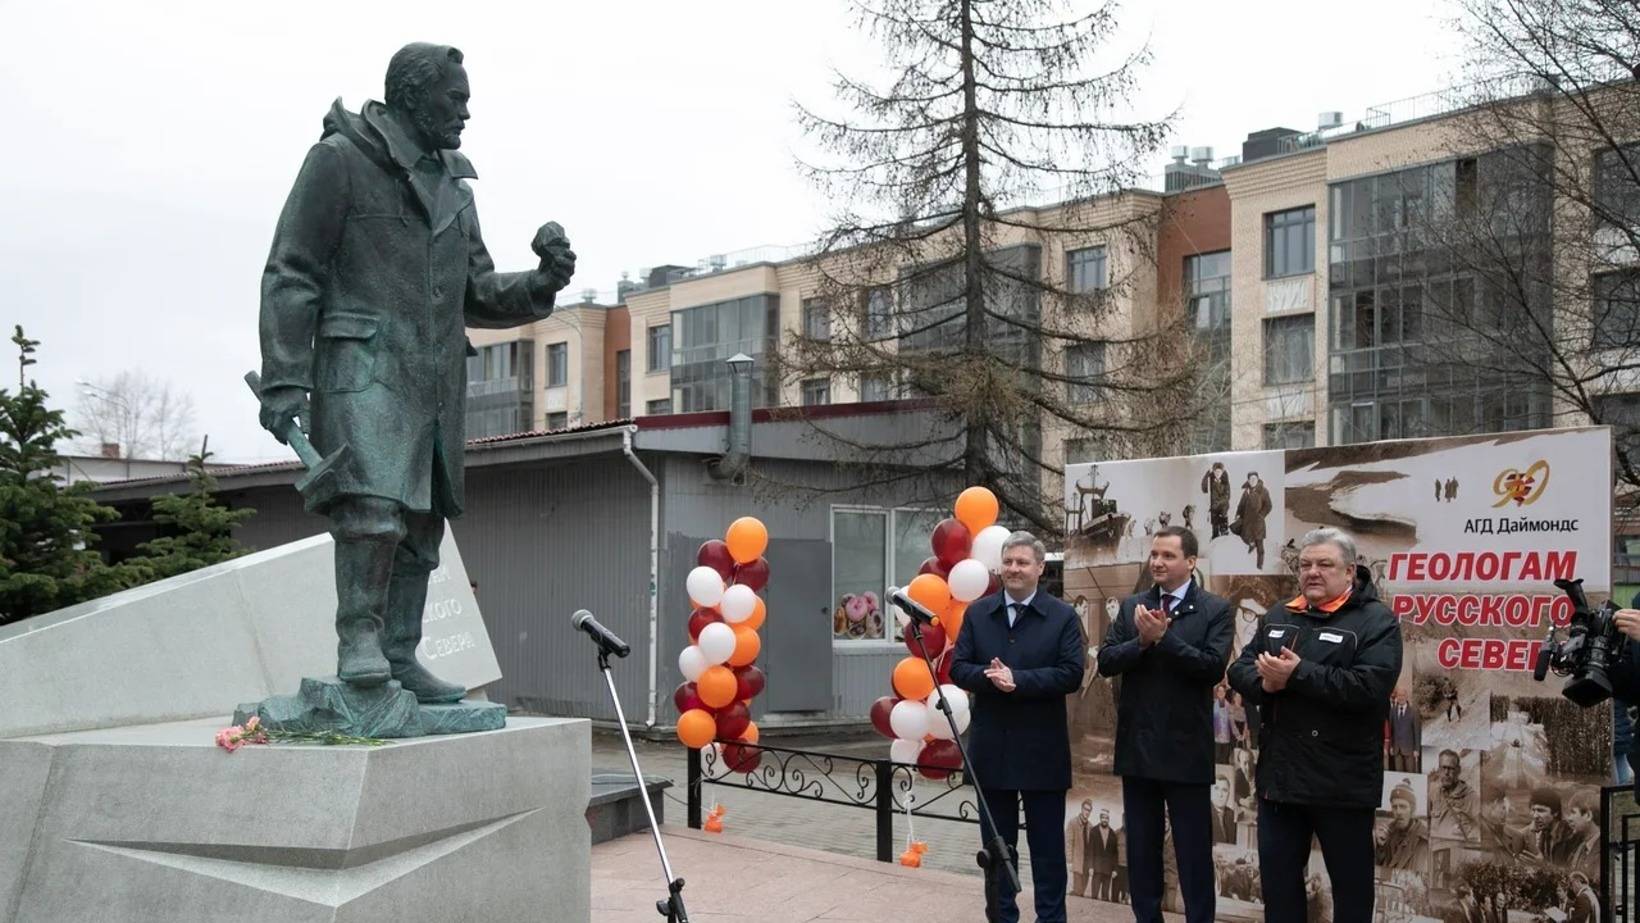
{"x": 1628, "y": 622}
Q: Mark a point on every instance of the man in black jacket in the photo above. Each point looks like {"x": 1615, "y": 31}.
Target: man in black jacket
{"x": 1020, "y": 652}
{"x": 1320, "y": 670}
{"x": 1169, "y": 645}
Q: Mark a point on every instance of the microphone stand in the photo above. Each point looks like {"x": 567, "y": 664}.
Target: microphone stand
{"x": 672, "y": 907}
{"x": 1001, "y": 864}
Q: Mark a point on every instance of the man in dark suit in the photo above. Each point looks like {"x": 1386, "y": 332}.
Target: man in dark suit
{"x": 1224, "y": 817}
{"x": 1102, "y": 855}
{"x": 1020, "y": 654}
{"x": 1405, "y": 735}
{"x": 1170, "y": 645}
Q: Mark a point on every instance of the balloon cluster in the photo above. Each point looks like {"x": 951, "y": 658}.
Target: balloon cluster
{"x": 719, "y": 673}
{"x": 967, "y": 556}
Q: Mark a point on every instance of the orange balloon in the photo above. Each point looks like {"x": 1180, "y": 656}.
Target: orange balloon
{"x": 930, "y": 591}
{"x": 951, "y": 621}
{"x": 717, "y": 686}
{"x": 750, "y": 734}
{"x": 911, "y": 679}
{"x": 696, "y": 728}
{"x": 747, "y": 539}
{"x": 747, "y": 645}
{"x": 755, "y": 620}
{"x": 976, "y": 508}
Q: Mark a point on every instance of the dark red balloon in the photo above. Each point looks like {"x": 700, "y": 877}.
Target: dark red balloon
{"x": 933, "y": 637}
{"x": 933, "y": 566}
{"x": 754, "y": 575}
{"x": 733, "y": 720}
{"x": 715, "y": 554}
{"x": 879, "y": 715}
{"x": 995, "y": 585}
{"x": 951, "y": 541}
{"x": 943, "y": 668}
{"x": 686, "y": 698}
{"x": 742, "y": 757}
{"x": 700, "y": 618}
{"x": 939, "y": 759}
{"x": 751, "y": 681}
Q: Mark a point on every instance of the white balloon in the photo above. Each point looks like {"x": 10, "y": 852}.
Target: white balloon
{"x": 987, "y": 547}
{"x": 968, "y": 580}
{"x": 905, "y": 751}
{"x": 692, "y": 663}
{"x": 962, "y": 721}
{"x": 739, "y": 602}
{"x": 909, "y": 720}
{"x": 717, "y": 642}
{"x": 938, "y": 726}
{"x": 705, "y": 586}
{"x": 953, "y": 694}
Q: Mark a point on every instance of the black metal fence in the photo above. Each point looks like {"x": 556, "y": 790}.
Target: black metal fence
{"x": 878, "y": 785}
{"x": 1620, "y": 837}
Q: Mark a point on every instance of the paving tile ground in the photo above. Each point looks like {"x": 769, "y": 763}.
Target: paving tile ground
{"x": 737, "y": 879}
{"x": 763, "y": 821}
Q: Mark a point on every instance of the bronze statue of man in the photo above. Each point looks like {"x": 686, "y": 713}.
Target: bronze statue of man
{"x": 377, "y": 267}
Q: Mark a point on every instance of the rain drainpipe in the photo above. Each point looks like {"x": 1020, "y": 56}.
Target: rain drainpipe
{"x": 654, "y": 567}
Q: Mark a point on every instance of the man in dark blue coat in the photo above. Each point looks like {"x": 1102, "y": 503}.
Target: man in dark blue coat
{"x": 1020, "y": 654}
{"x": 1170, "y": 645}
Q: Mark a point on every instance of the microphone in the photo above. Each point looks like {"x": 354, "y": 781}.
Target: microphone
{"x": 917, "y": 611}
{"x": 606, "y": 639}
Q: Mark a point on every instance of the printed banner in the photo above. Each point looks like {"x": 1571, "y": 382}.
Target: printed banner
{"x": 1492, "y": 780}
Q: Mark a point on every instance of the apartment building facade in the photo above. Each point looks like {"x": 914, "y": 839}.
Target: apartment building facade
{"x": 1299, "y": 264}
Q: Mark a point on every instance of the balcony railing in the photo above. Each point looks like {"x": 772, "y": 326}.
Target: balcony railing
{"x": 494, "y": 386}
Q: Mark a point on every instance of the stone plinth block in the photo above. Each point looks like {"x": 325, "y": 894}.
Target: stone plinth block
{"x": 385, "y": 711}
{"x": 155, "y": 822}
{"x": 191, "y": 646}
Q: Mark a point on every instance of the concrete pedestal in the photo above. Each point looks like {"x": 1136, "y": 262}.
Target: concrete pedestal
{"x": 154, "y": 822}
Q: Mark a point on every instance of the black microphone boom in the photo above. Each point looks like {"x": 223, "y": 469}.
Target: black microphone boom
{"x": 607, "y": 640}
{"x": 911, "y": 607}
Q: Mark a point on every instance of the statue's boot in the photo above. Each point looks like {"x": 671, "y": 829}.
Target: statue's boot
{"x": 406, "y": 598}
{"x": 362, "y": 570}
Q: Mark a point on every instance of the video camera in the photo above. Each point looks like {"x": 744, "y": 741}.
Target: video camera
{"x": 1588, "y": 653}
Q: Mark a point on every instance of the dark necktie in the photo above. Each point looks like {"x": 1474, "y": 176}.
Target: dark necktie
{"x": 1167, "y": 604}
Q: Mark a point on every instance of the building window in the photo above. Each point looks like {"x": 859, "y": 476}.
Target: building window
{"x": 877, "y": 387}
{"x": 871, "y": 550}
{"x": 557, "y": 420}
{"x": 1616, "y": 322}
{"x": 1289, "y": 242}
{"x": 1289, "y": 435}
{"x": 660, "y": 347}
{"x": 1289, "y": 349}
{"x": 1085, "y": 449}
{"x": 816, "y": 391}
{"x": 879, "y": 313}
{"x": 1207, "y": 290}
{"x": 557, "y": 364}
{"x": 1085, "y": 366}
{"x": 1616, "y": 190}
{"x": 658, "y": 407}
{"x": 1622, "y": 413}
{"x": 816, "y": 320}
{"x": 1085, "y": 270}
{"x": 623, "y": 383}
{"x": 706, "y": 336}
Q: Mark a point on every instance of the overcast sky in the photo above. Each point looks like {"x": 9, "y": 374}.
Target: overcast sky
{"x": 149, "y": 152}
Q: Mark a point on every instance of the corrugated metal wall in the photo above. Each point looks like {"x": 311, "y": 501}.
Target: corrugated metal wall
{"x": 861, "y": 672}
{"x": 543, "y": 541}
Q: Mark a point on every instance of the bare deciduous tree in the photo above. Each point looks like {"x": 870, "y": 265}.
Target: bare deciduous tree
{"x": 144, "y": 416}
{"x": 1544, "y": 219}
